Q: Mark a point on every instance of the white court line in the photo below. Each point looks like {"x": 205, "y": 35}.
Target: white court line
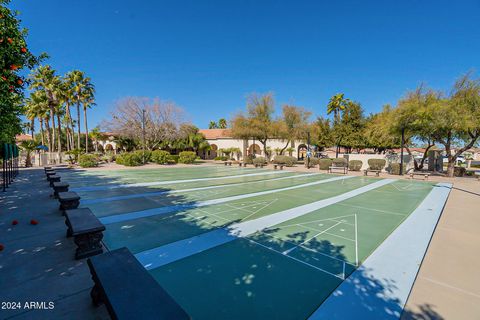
{"x": 298, "y": 260}
{"x": 168, "y": 209}
{"x": 158, "y": 183}
{"x": 311, "y": 238}
{"x": 159, "y": 256}
{"x": 159, "y": 193}
{"x": 379, "y": 288}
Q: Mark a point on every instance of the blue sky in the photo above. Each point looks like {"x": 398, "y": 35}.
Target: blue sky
{"x": 207, "y": 56}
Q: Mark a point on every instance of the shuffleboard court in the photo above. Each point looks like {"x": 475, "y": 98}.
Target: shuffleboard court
{"x": 273, "y": 245}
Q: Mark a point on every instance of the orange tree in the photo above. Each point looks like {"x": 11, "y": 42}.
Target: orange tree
{"x": 15, "y": 58}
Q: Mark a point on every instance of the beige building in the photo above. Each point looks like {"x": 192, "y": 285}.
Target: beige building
{"x": 222, "y": 139}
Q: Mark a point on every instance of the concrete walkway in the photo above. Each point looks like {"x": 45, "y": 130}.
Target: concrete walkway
{"x": 37, "y": 263}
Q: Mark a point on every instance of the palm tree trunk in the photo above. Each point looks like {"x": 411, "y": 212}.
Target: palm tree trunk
{"x": 78, "y": 125}
{"x": 52, "y": 111}
{"x": 49, "y": 140}
{"x": 70, "y": 138}
{"x": 86, "y": 128}
{"x": 32, "y": 128}
{"x": 41, "y": 131}
{"x": 59, "y": 138}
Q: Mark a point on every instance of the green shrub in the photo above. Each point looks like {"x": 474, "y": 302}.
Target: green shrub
{"x": 248, "y": 159}
{"x": 395, "y": 168}
{"x": 187, "y": 157}
{"x": 88, "y": 160}
{"x": 129, "y": 159}
{"x": 221, "y": 158}
{"x": 148, "y": 155}
{"x": 355, "y": 165}
{"x": 324, "y": 164}
{"x": 259, "y": 160}
{"x": 376, "y": 164}
{"x": 173, "y": 158}
{"x": 459, "y": 171}
{"x": 160, "y": 156}
{"x": 312, "y": 162}
{"x": 285, "y": 160}
{"x": 339, "y": 162}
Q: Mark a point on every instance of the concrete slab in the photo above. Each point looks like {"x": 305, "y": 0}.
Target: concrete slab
{"x": 37, "y": 264}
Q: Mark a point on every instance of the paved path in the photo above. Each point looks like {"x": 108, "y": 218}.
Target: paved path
{"x": 37, "y": 264}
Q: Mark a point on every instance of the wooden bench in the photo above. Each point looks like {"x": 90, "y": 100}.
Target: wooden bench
{"x": 280, "y": 166}
{"x": 86, "y": 230}
{"x": 344, "y": 169}
{"x": 49, "y": 170}
{"x": 50, "y": 173}
{"x": 419, "y": 173}
{"x": 53, "y": 179}
{"x": 366, "y": 171}
{"x": 261, "y": 165}
{"x": 128, "y": 290}
{"x": 228, "y": 163}
{"x": 59, "y": 187}
{"x": 68, "y": 200}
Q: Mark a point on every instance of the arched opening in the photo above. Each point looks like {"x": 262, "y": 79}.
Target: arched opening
{"x": 254, "y": 149}
{"x": 108, "y": 147}
{"x": 302, "y": 151}
{"x": 212, "y": 153}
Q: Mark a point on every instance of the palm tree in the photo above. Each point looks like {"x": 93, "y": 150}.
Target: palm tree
{"x": 96, "y": 135}
{"x": 68, "y": 98}
{"x": 88, "y": 101}
{"x": 336, "y": 104}
{"x": 37, "y": 105}
{"x": 83, "y": 92}
{"x": 44, "y": 78}
{"x": 29, "y": 147}
{"x": 222, "y": 123}
{"x": 212, "y": 125}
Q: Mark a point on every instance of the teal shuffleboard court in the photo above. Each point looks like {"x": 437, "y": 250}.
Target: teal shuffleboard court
{"x": 244, "y": 243}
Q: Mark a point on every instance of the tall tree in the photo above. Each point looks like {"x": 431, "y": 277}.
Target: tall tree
{"x": 212, "y": 125}
{"x": 258, "y": 121}
{"x": 83, "y": 93}
{"x": 222, "y": 123}
{"x": 455, "y": 120}
{"x": 292, "y": 126}
{"x": 336, "y": 105}
{"x": 44, "y": 78}
{"x": 322, "y": 135}
{"x": 15, "y": 57}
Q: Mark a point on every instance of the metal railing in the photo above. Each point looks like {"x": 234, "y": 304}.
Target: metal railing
{"x": 10, "y": 164}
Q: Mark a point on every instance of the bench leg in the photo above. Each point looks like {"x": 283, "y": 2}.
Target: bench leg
{"x": 88, "y": 245}
{"x": 96, "y": 296}
{"x": 69, "y": 229}
{"x": 377, "y": 174}
{"x": 68, "y": 205}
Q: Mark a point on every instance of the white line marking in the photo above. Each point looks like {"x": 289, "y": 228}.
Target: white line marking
{"x": 311, "y": 238}
{"x": 298, "y": 260}
{"x": 356, "y": 241}
{"x": 158, "y": 183}
{"x": 159, "y": 256}
{"x": 166, "y": 192}
{"x": 168, "y": 209}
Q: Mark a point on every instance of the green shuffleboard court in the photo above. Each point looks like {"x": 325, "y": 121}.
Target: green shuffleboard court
{"x": 244, "y": 243}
